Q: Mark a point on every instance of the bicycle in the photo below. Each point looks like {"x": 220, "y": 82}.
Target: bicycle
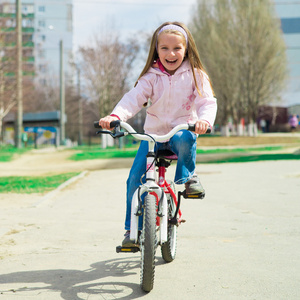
{"x": 160, "y": 208}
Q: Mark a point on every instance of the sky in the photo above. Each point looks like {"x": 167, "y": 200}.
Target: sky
{"x": 127, "y": 16}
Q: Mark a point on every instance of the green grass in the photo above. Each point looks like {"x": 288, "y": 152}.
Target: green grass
{"x": 104, "y": 153}
{"x": 237, "y": 150}
{"x": 7, "y": 153}
{"x": 259, "y": 157}
{"x": 36, "y": 184}
{"x": 97, "y": 153}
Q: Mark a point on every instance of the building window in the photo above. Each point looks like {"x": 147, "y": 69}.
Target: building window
{"x": 10, "y": 23}
{"x": 42, "y": 8}
{"x": 43, "y": 68}
{"x": 27, "y": 23}
{"x": 9, "y": 8}
{"x": 42, "y": 23}
{"x": 42, "y": 53}
{"x": 290, "y": 25}
{"x": 27, "y": 9}
{"x": 43, "y": 82}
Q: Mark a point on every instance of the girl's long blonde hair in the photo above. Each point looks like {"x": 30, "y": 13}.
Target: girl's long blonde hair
{"x": 191, "y": 54}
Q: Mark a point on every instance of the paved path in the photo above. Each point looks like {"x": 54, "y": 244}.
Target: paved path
{"x": 241, "y": 242}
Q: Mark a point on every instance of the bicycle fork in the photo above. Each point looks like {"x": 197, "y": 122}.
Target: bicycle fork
{"x": 136, "y": 210}
{"x": 149, "y": 187}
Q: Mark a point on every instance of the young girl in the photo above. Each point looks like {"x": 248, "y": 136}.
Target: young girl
{"x": 179, "y": 91}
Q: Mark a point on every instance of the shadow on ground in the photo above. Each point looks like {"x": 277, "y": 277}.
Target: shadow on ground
{"x": 76, "y": 284}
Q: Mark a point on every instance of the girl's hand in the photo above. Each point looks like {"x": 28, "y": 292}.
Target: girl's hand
{"x": 105, "y": 122}
{"x": 201, "y": 126}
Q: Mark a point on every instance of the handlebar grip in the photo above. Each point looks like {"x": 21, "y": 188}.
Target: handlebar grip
{"x": 113, "y": 124}
{"x": 96, "y": 124}
{"x": 192, "y": 128}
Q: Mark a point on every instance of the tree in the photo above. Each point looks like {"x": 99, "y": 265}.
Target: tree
{"x": 7, "y": 90}
{"x": 106, "y": 67}
{"x": 46, "y": 98}
{"x": 242, "y": 47}
{"x": 6, "y": 103}
{"x": 8, "y": 79}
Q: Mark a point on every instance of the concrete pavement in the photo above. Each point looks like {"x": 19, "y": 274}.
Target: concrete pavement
{"x": 241, "y": 242}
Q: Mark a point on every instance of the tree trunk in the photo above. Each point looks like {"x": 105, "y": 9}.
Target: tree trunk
{"x": 1, "y": 135}
{"x": 106, "y": 141}
{"x": 240, "y": 130}
{"x": 252, "y": 129}
{"x": 225, "y": 130}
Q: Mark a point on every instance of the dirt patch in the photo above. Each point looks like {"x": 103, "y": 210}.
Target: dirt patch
{"x": 55, "y": 161}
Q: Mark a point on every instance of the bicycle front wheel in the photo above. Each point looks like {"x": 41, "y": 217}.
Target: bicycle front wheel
{"x": 148, "y": 243}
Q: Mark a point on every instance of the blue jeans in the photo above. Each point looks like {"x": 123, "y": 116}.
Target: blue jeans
{"x": 183, "y": 144}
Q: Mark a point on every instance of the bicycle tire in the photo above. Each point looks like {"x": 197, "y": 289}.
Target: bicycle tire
{"x": 148, "y": 243}
{"x": 168, "y": 249}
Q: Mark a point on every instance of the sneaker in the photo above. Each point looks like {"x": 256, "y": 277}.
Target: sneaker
{"x": 193, "y": 186}
{"x": 127, "y": 242}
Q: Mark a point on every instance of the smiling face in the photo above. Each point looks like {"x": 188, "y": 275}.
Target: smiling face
{"x": 171, "y": 50}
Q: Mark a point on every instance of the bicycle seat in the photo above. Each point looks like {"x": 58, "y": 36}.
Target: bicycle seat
{"x": 168, "y": 154}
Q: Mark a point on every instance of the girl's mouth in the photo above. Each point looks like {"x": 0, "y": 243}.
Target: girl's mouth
{"x": 171, "y": 61}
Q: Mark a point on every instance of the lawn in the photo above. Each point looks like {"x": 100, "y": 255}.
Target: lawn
{"x": 257, "y": 157}
{"x": 7, "y": 153}
{"x": 236, "y": 141}
{"x": 97, "y": 153}
{"x": 32, "y": 184}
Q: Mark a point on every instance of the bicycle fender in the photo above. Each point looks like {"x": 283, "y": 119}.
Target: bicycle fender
{"x": 164, "y": 220}
{"x": 134, "y": 220}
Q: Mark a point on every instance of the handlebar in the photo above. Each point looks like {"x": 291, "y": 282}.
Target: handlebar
{"x": 140, "y": 136}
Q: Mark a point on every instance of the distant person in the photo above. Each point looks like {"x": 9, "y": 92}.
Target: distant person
{"x": 263, "y": 125}
{"x": 25, "y": 138}
{"x": 294, "y": 122}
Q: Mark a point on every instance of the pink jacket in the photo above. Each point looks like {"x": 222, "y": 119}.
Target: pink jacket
{"x": 173, "y": 100}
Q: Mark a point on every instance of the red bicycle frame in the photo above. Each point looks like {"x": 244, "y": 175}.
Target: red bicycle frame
{"x": 167, "y": 187}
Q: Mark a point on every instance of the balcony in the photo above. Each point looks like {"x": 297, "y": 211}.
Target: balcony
{"x": 13, "y": 44}
{"x": 13, "y": 29}
{"x": 13, "y": 16}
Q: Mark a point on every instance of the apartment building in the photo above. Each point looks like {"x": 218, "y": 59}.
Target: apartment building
{"x": 53, "y": 23}
{"x": 8, "y": 38}
{"x": 289, "y": 13}
{"x": 44, "y": 24}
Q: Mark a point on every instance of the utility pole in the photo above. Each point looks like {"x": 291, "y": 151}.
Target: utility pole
{"x": 80, "y": 117}
{"x": 62, "y": 94}
{"x": 19, "y": 75}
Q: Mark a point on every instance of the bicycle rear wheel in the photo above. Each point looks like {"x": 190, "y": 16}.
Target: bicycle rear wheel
{"x": 168, "y": 249}
{"x": 148, "y": 243}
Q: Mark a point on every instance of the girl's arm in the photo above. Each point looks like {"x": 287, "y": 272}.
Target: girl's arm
{"x": 133, "y": 101}
{"x": 206, "y": 104}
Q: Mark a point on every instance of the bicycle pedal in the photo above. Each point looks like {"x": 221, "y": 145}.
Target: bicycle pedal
{"x": 127, "y": 249}
{"x": 192, "y": 196}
